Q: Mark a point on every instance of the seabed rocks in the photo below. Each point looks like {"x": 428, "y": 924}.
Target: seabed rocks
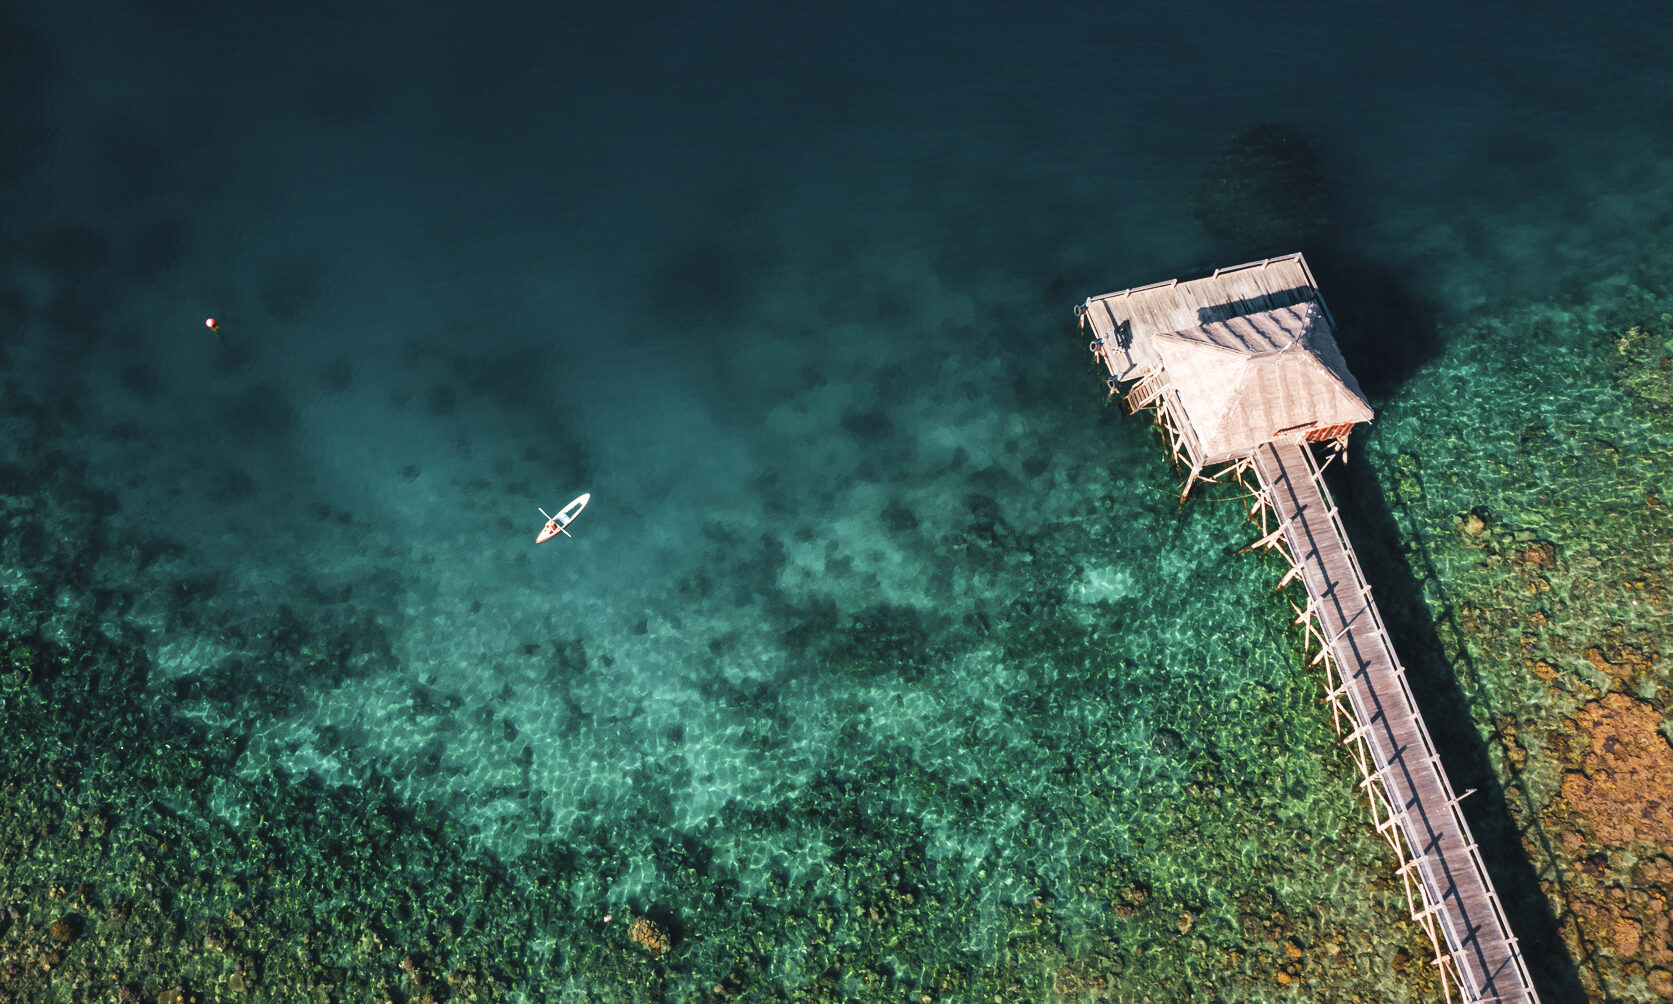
{"x": 1534, "y": 493}
{"x": 117, "y": 885}
{"x": 119, "y": 880}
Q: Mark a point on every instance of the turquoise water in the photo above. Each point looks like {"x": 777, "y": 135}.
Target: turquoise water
{"x": 883, "y": 663}
{"x": 1525, "y": 477}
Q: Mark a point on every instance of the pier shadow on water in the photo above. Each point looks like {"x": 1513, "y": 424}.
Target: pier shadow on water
{"x": 1386, "y": 331}
{"x": 1416, "y": 632}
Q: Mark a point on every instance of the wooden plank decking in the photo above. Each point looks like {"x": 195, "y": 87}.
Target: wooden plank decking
{"x": 1179, "y": 306}
{"x": 1458, "y": 896}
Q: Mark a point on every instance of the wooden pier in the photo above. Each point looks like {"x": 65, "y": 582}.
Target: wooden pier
{"x": 1242, "y": 371}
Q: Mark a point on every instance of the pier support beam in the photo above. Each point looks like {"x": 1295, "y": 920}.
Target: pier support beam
{"x": 1448, "y": 892}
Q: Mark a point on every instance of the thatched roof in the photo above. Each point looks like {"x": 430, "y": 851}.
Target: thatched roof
{"x": 1126, "y": 321}
{"x": 1249, "y": 379}
{"x": 1235, "y": 359}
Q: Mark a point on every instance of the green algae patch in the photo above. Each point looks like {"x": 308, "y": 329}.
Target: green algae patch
{"x": 1529, "y": 471}
{"x": 1642, "y": 363}
{"x": 1077, "y": 758}
{"x": 121, "y": 886}
{"x": 1182, "y": 851}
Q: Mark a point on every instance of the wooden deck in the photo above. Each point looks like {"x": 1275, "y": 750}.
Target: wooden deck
{"x": 1180, "y": 306}
{"x": 1457, "y": 899}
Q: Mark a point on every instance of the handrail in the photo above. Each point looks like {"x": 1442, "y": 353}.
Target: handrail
{"x": 1391, "y": 742}
{"x": 1379, "y": 631}
{"x": 1146, "y": 390}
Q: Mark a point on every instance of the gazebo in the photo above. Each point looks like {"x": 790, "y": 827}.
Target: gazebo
{"x": 1242, "y": 369}
{"x": 1230, "y": 361}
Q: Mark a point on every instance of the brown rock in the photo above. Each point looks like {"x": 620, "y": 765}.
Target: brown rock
{"x": 1656, "y": 948}
{"x": 1624, "y": 787}
{"x": 1655, "y": 871}
{"x": 648, "y": 936}
{"x": 1625, "y": 941}
{"x": 1625, "y": 663}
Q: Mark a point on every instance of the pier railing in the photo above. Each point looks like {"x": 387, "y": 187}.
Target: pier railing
{"x": 1310, "y": 396}
{"x": 1478, "y": 956}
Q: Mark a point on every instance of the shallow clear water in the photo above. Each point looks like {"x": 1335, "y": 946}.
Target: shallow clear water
{"x": 874, "y": 607}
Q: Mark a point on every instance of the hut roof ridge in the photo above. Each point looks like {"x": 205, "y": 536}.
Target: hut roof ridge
{"x": 1241, "y": 378}
{"x": 1260, "y": 333}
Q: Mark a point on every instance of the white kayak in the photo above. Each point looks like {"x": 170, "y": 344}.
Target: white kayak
{"x": 555, "y": 524}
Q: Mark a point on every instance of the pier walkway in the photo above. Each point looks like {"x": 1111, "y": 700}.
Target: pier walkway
{"x": 1457, "y": 899}
{"x": 1243, "y": 374}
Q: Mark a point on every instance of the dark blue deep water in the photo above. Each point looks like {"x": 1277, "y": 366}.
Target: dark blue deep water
{"x": 882, "y": 664}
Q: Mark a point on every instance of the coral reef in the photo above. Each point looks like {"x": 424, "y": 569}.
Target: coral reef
{"x": 1623, "y": 788}
{"x": 346, "y": 894}
{"x": 1071, "y": 785}
{"x": 1546, "y": 551}
{"x": 644, "y": 933}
